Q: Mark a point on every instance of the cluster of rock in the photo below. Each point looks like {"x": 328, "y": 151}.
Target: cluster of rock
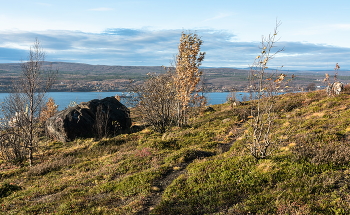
{"x": 81, "y": 120}
{"x": 334, "y": 88}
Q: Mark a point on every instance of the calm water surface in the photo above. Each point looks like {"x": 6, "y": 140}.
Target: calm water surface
{"x": 63, "y": 99}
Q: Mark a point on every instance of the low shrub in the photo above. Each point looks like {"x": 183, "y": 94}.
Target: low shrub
{"x": 320, "y": 153}
{"x": 53, "y": 165}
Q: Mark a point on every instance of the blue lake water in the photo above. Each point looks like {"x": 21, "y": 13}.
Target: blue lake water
{"x": 63, "y": 99}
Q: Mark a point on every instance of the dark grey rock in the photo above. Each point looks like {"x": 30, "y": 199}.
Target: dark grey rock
{"x": 84, "y": 119}
{"x": 209, "y": 109}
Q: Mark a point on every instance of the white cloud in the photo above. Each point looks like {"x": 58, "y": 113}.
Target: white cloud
{"x": 142, "y": 47}
{"x": 220, "y": 16}
{"x": 342, "y": 26}
{"x": 12, "y": 45}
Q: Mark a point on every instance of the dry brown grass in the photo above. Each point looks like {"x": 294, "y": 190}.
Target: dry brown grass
{"x": 322, "y": 153}
{"x": 52, "y": 165}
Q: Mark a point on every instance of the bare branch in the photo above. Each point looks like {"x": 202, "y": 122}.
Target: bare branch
{"x": 23, "y": 106}
{"x": 264, "y": 86}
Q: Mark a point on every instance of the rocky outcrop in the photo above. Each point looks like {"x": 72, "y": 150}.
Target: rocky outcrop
{"x": 96, "y": 118}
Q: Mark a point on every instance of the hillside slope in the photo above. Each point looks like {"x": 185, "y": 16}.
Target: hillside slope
{"x": 202, "y": 169}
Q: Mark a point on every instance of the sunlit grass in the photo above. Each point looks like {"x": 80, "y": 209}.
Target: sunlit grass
{"x": 208, "y": 168}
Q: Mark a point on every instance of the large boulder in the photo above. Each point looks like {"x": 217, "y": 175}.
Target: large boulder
{"x": 89, "y": 119}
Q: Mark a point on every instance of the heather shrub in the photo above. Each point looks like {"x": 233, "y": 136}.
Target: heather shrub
{"x": 52, "y": 165}
{"x": 336, "y": 153}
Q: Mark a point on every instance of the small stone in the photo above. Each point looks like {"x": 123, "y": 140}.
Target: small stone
{"x": 175, "y": 168}
{"x": 155, "y": 188}
{"x": 209, "y": 109}
{"x": 226, "y": 120}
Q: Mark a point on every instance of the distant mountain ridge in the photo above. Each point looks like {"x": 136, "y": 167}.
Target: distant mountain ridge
{"x": 64, "y": 66}
{"x": 68, "y": 66}
{"x": 87, "y": 77}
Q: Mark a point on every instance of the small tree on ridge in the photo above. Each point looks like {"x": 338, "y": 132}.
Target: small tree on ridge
{"x": 264, "y": 87}
{"x": 25, "y": 102}
{"x": 188, "y": 75}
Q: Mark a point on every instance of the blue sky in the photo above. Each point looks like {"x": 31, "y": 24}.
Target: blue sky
{"x": 315, "y": 33}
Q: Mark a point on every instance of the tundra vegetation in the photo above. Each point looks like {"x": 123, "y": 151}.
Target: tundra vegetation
{"x": 204, "y": 167}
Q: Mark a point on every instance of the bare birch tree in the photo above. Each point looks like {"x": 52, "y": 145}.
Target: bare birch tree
{"x": 164, "y": 100}
{"x": 188, "y": 75}
{"x": 264, "y": 87}
{"x": 23, "y": 105}
{"x": 155, "y": 100}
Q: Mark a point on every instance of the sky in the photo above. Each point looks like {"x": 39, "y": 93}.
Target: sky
{"x": 315, "y": 34}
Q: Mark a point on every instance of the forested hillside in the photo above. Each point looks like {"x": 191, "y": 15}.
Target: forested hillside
{"x": 85, "y": 77}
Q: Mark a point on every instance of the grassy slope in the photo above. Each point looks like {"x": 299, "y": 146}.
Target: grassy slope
{"x": 204, "y": 168}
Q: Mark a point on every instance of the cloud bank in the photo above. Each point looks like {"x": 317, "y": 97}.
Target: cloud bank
{"x": 136, "y": 47}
